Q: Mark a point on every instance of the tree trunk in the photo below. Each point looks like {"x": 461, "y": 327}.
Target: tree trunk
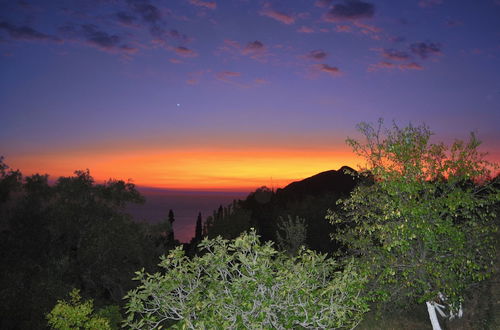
{"x": 431, "y": 309}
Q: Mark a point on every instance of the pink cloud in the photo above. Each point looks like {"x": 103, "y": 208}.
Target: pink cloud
{"x": 411, "y": 66}
{"x": 317, "y": 55}
{"x": 255, "y": 50}
{"x": 175, "y": 61}
{"x": 391, "y": 66}
{"x": 305, "y": 29}
{"x": 194, "y": 77}
{"x": 261, "y": 81}
{"x": 343, "y": 28}
{"x": 185, "y": 52}
{"x": 367, "y": 27}
{"x": 206, "y": 4}
{"x": 227, "y": 77}
{"x": 331, "y": 70}
{"x": 277, "y": 15}
{"x": 323, "y": 3}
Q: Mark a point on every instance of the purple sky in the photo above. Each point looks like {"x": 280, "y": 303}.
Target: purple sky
{"x": 144, "y": 77}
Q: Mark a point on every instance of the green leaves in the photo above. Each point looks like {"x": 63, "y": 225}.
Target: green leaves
{"x": 76, "y": 315}
{"x": 425, "y": 225}
{"x": 246, "y": 284}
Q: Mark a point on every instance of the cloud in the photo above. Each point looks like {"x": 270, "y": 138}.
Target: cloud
{"x": 429, "y": 3}
{"x": 323, "y": 3}
{"x": 343, "y": 28}
{"x": 305, "y": 29}
{"x": 331, "y": 70}
{"x": 277, "y": 15}
{"x": 391, "y": 66}
{"x": 100, "y": 38}
{"x": 162, "y": 35}
{"x": 395, "y": 55}
{"x": 254, "y": 46}
{"x": 226, "y": 76}
{"x": 317, "y": 55}
{"x": 25, "y": 32}
{"x": 350, "y": 10}
{"x": 148, "y": 12}
{"x": 255, "y": 50}
{"x": 411, "y": 66}
{"x": 206, "y": 4}
{"x": 195, "y": 77}
{"x": 125, "y": 18}
{"x": 185, "y": 52}
{"x": 261, "y": 81}
{"x": 367, "y": 28}
{"x": 424, "y": 50}
{"x": 95, "y": 37}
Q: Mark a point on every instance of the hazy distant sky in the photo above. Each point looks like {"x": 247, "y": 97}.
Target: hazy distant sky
{"x": 235, "y": 93}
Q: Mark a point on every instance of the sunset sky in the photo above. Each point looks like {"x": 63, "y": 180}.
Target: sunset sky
{"x": 235, "y": 94}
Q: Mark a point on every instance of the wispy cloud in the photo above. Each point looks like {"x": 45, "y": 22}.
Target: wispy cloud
{"x": 148, "y": 12}
{"x": 261, "y": 81}
{"x": 395, "y": 55}
{"x": 24, "y": 32}
{"x": 411, "y": 66}
{"x": 277, "y": 15}
{"x": 367, "y": 28}
{"x": 255, "y": 50}
{"x": 350, "y": 10}
{"x": 228, "y": 77}
{"x": 383, "y": 65}
{"x": 331, "y": 70}
{"x": 305, "y": 29}
{"x": 343, "y": 28}
{"x": 253, "y": 46}
{"x": 323, "y": 3}
{"x": 104, "y": 41}
{"x": 195, "y": 77}
{"x": 185, "y": 52}
{"x": 206, "y": 4}
{"x": 317, "y": 55}
{"x": 126, "y": 19}
{"x": 425, "y": 50}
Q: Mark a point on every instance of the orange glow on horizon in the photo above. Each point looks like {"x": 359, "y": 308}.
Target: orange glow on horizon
{"x": 192, "y": 169}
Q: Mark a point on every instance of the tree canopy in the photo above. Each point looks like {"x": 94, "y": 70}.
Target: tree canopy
{"x": 423, "y": 229}
{"x": 244, "y": 284}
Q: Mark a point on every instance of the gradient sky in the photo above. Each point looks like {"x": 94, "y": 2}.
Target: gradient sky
{"x": 236, "y": 94}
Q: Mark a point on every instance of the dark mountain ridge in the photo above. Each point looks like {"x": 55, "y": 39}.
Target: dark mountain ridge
{"x": 339, "y": 182}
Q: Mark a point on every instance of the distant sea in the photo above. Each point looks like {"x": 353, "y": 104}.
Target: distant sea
{"x": 185, "y": 204}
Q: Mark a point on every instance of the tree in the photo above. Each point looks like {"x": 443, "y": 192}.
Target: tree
{"x": 423, "y": 231}
{"x": 291, "y": 234}
{"x": 198, "y": 229}
{"x": 74, "y": 233}
{"x": 10, "y": 181}
{"x": 243, "y": 284}
{"x": 233, "y": 222}
{"x": 171, "y": 220}
{"x": 76, "y": 314}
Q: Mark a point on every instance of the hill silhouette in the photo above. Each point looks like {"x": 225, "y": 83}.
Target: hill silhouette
{"x": 332, "y": 181}
{"x": 309, "y": 199}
